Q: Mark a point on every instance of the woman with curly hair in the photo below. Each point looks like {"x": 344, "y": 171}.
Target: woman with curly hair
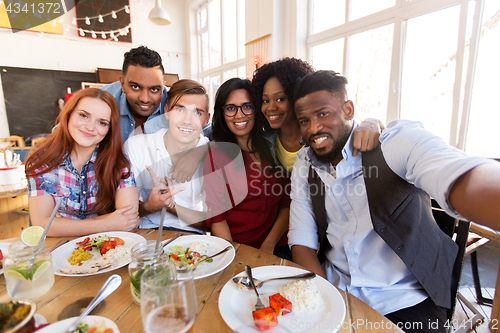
{"x": 82, "y": 165}
{"x": 273, "y": 85}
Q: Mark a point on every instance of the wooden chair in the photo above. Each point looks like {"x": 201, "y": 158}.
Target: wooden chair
{"x": 37, "y": 141}
{"x": 467, "y": 244}
{"x": 17, "y": 140}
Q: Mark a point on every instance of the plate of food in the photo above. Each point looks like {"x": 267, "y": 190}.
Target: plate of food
{"x": 186, "y": 250}
{"x": 4, "y": 250}
{"x": 95, "y": 254}
{"x": 312, "y": 305}
{"x": 102, "y": 325}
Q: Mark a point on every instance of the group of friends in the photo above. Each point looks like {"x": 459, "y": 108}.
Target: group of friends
{"x": 278, "y": 168}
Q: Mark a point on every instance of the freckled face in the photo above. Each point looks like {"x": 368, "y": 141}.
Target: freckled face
{"x": 276, "y": 106}
{"x": 241, "y": 124}
{"x": 89, "y": 123}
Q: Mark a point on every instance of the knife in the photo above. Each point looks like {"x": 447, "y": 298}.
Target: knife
{"x": 165, "y": 243}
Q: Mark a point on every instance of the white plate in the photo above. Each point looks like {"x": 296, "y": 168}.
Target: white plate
{"x": 5, "y": 251}
{"x": 215, "y": 244}
{"x": 236, "y": 306}
{"x": 61, "y": 254}
{"x": 63, "y": 325}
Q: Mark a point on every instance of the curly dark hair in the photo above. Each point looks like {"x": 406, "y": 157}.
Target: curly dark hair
{"x": 143, "y": 57}
{"x": 220, "y": 130}
{"x": 287, "y": 70}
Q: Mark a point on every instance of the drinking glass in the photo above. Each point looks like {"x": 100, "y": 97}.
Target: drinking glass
{"x": 28, "y": 271}
{"x": 168, "y": 305}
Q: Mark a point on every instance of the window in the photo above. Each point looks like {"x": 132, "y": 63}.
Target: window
{"x": 418, "y": 60}
{"x": 221, "y": 36}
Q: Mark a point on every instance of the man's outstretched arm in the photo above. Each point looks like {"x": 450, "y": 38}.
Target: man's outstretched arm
{"x": 476, "y": 195}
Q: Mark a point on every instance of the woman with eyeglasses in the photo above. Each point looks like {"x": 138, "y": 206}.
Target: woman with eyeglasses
{"x": 252, "y": 210}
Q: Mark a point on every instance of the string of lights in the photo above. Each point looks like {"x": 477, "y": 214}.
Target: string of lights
{"x": 113, "y": 34}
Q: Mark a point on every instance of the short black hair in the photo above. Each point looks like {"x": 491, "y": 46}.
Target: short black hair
{"x": 330, "y": 81}
{"x": 221, "y": 131}
{"x": 287, "y": 70}
{"x": 143, "y": 57}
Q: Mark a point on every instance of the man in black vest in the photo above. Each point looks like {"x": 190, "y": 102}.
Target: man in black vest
{"x": 378, "y": 240}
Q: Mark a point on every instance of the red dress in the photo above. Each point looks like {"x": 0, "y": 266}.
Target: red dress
{"x": 246, "y": 197}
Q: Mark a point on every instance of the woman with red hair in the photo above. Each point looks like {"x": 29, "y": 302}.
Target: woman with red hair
{"x": 82, "y": 164}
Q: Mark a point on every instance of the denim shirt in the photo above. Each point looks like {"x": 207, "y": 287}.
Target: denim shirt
{"x": 77, "y": 191}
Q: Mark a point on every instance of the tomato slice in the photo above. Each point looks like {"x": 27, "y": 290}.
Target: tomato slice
{"x": 92, "y": 330}
{"x": 175, "y": 257}
{"x": 118, "y": 240}
{"x": 83, "y": 242}
{"x": 107, "y": 245}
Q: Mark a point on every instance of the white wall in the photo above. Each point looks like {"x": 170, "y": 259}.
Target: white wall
{"x": 71, "y": 52}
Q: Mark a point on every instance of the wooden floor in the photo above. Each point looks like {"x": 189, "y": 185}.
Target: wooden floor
{"x": 462, "y": 313}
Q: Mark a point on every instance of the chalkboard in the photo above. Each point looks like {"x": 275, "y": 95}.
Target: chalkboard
{"x": 31, "y": 97}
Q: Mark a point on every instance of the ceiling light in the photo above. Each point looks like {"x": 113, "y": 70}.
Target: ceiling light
{"x": 158, "y": 15}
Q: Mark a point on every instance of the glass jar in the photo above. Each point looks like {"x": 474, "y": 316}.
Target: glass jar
{"x": 29, "y": 273}
{"x": 144, "y": 255}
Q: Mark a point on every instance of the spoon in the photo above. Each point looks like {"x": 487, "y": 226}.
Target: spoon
{"x": 244, "y": 284}
{"x": 182, "y": 267}
{"x": 113, "y": 282}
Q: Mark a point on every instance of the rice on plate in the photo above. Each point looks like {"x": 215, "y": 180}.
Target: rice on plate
{"x": 304, "y": 295}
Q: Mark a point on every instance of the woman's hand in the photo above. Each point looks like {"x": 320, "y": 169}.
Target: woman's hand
{"x": 269, "y": 248}
{"x": 366, "y": 136}
{"x": 122, "y": 219}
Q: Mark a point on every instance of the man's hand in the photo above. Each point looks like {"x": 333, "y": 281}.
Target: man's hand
{"x": 161, "y": 195}
{"x": 366, "y": 135}
{"x": 186, "y": 165}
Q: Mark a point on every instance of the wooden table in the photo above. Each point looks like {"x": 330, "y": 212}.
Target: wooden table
{"x": 120, "y": 308}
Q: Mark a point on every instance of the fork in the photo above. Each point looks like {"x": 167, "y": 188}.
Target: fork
{"x": 259, "y": 305}
{"x": 181, "y": 267}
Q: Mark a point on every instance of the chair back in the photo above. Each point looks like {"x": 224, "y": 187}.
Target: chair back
{"x": 459, "y": 230}
{"x": 16, "y": 139}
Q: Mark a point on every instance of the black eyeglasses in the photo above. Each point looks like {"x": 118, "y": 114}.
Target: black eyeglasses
{"x": 231, "y": 110}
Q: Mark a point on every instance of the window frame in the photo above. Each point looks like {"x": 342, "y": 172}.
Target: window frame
{"x": 399, "y": 15}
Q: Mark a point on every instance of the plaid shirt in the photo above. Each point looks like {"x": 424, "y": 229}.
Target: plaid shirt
{"x": 77, "y": 190}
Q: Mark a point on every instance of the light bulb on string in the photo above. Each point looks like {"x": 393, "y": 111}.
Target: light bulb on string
{"x": 113, "y": 14}
{"x": 87, "y": 20}
{"x": 103, "y": 35}
{"x": 127, "y": 10}
{"x": 112, "y": 34}
{"x": 81, "y": 32}
{"x": 100, "y": 19}
{"x": 94, "y": 35}
{"x": 127, "y": 29}
{"x": 115, "y": 39}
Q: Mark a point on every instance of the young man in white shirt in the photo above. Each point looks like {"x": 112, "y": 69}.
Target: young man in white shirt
{"x": 187, "y": 113}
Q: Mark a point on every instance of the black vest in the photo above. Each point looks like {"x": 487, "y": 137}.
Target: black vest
{"x": 402, "y": 216}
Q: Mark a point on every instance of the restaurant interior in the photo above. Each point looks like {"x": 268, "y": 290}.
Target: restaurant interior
{"x": 433, "y": 61}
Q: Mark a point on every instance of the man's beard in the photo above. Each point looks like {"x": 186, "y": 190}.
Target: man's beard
{"x": 339, "y": 144}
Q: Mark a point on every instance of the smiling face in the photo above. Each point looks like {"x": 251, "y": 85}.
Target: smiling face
{"x": 325, "y": 124}
{"x": 143, "y": 88}
{"x": 89, "y": 122}
{"x": 276, "y": 106}
{"x": 186, "y": 119}
{"x": 241, "y": 124}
